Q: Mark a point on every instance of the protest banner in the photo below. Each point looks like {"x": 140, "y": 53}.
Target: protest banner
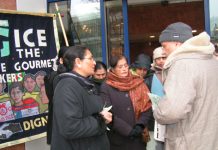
{"x": 27, "y": 53}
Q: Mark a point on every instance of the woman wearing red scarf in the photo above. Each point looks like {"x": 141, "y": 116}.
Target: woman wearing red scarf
{"x": 131, "y": 106}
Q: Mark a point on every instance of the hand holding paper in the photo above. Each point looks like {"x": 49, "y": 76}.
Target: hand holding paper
{"x": 106, "y": 114}
{"x": 154, "y": 99}
{"x": 107, "y": 108}
{"x": 159, "y": 130}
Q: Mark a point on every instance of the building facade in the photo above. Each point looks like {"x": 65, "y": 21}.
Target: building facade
{"x": 111, "y": 27}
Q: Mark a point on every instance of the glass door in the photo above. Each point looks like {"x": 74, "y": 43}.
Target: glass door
{"x": 115, "y": 28}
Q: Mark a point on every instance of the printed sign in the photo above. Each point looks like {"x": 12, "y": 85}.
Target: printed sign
{"x": 27, "y": 54}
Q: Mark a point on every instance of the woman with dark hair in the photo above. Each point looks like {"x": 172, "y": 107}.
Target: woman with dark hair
{"x": 100, "y": 73}
{"x": 131, "y": 106}
{"x": 79, "y": 120}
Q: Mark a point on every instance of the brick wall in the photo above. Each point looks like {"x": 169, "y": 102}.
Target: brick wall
{"x": 8, "y": 4}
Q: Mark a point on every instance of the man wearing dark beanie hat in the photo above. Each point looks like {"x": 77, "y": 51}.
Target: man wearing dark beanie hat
{"x": 189, "y": 107}
{"x": 175, "y": 33}
{"x": 179, "y": 32}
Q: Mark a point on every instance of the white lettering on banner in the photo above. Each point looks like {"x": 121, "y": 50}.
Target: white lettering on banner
{"x": 17, "y": 38}
{"x": 3, "y": 67}
{"x": 13, "y": 77}
{"x": 41, "y": 38}
{"x": 35, "y": 52}
{"x": 35, "y": 64}
{"x": 25, "y": 38}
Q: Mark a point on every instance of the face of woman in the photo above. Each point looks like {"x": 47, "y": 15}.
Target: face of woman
{"x": 100, "y": 74}
{"x": 122, "y": 68}
{"x": 160, "y": 61}
{"x": 86, "y": 65}
{"x": 141, "y": 72}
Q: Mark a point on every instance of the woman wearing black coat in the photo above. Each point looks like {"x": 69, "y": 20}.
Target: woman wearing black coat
{"x": 131, "y": 106}
{"x": 79, "y": 121}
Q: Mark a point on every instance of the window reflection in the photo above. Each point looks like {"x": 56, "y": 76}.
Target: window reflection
{"x": 115, "y": 27}
{"x": 213, "y": 20}
{"x": 81, "y": 19}
{"x": 87, "y": 24}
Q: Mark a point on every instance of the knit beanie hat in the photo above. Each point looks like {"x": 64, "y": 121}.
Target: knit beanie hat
{"x": 178, "y": 32}
{"x": 158, "y": 52}
{"x": 142, "y": 61}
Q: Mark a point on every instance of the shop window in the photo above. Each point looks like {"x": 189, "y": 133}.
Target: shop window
{"x": 213, "y": 21}
{"x": 81, "y": 19}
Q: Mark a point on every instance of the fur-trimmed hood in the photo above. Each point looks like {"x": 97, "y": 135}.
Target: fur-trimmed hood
{"x": 199, "y": 44}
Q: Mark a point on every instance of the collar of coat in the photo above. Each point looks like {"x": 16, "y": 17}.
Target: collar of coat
{"x": 84, "y": 82}
{"x": 199, "y": 45}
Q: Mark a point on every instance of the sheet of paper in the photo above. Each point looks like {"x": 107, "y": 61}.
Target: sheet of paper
{"x": 159, "y": 132}
{"x": 154, "y": 99}
{"x": 107, "y": 108}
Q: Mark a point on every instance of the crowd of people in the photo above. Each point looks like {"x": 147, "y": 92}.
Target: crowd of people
{"x": 92, "y": 107}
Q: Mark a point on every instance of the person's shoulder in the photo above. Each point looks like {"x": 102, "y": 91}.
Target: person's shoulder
{"x": 106, "y": 87}
{"x": 66, "y": 80}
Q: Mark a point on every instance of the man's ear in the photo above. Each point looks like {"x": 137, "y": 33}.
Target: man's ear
{"x": 78, "y": 63}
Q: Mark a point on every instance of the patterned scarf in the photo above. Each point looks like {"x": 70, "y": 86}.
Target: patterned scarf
{"x": 136, "y": 88}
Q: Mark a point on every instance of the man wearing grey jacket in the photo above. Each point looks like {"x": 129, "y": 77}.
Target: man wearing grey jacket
{"x": 189, "y": 107}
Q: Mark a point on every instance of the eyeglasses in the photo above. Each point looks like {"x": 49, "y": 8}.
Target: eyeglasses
{"x": 123, "y": 66}
{"x": 90, "y": 58}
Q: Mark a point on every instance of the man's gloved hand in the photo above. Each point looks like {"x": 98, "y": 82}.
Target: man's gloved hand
{"x": 136, "y": 131}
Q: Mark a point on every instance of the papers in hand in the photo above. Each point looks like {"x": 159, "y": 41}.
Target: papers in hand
{"x": 154, "y": 99}
{"x": 159, "y": 130}
{"x": 107, "y": 108}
